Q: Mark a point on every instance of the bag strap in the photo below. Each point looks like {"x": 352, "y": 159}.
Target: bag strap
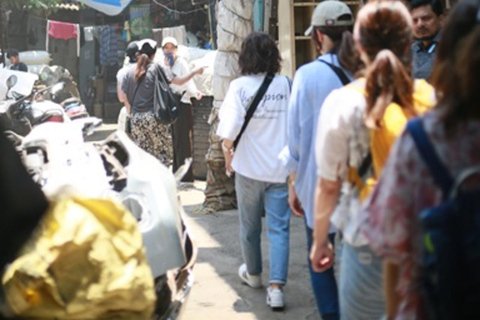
{"x": 338, "y": 71}
{"x": 440, "y": 173}
{"x": 368, "y": 160}
{"x": 289, "y": 83}
{"x": 365, "y": 166}
{"x": 161, "y": 73}
{"x": 253, "y": 106}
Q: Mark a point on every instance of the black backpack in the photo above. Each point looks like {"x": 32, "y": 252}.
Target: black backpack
{"x": 450, "y": 262}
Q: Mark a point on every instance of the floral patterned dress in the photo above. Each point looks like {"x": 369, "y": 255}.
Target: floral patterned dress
{"x": 405, "y": 189}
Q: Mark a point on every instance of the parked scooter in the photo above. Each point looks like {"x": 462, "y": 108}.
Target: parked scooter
{"x": 21, "y": 113}
{"x": 55, "y": 155}
{"x": 66, "y": 95}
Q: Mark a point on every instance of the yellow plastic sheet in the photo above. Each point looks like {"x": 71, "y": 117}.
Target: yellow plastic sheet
{"x": 86, "y": 261}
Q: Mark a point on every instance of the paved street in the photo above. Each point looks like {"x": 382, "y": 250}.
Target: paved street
{"x": 218, "y": 293}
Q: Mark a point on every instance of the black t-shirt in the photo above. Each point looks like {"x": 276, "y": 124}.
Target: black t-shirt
{"x": 19, "y": 67}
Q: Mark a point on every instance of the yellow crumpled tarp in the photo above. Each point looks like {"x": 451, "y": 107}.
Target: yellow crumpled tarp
{"x": 86, "y": 261}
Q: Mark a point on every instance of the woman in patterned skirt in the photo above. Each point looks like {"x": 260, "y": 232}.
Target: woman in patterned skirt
{"x": 139, "y": 85}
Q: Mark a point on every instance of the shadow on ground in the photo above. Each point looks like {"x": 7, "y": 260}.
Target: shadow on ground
{"x": 218, "y": 292}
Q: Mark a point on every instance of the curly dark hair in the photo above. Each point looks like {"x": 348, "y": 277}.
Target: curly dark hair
{"x": 259, "y": 54}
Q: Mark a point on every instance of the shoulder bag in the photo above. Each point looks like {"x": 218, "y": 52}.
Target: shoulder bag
{"x": 165, "y": 103}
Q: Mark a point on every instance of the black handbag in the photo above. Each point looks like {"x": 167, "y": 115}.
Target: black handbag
{"x": 165, "y": 103}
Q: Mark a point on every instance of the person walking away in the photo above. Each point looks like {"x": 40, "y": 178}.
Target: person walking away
{"x": 182, "y": 129}
{"x": 16, "y": 65}
{"x": 260, "y": 177}
{"x": 331, "y": 32}
{"x": 357, "y": 127}
{"x": 408, "y": 186}
{"x": 148, "y": 133}
{"x": 428, "y": 19}
{"x": 131, "y": 54}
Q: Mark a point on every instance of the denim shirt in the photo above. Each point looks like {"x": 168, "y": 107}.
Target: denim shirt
{"x": 313, "y": 82}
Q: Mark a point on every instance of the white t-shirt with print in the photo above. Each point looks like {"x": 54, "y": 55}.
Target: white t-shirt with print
{"x": 257, "y": 154}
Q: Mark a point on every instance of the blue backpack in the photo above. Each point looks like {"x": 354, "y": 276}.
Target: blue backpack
{"x": 450, "y": 262}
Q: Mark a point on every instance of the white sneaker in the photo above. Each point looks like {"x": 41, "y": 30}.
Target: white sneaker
{"x": 254, "y": 281}
{"x": 275, "y": 298}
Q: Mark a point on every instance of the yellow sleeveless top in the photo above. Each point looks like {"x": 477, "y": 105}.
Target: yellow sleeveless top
{"x": 392, "y": 126}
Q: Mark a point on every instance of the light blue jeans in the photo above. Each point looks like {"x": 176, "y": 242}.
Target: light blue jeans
{"x": 253, "y": 196}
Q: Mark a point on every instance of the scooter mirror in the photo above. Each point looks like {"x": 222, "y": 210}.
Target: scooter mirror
{"x": 11, "y": 81}
{"x": 43, "y": 76}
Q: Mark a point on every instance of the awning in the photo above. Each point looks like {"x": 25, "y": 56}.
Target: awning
{"x": 109, "y": 7}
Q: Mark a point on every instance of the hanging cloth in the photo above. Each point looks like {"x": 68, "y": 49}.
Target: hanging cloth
{"x": 108, "y": 46}
{"x": 63, "y": 31}
{"x": 88, "y": 33}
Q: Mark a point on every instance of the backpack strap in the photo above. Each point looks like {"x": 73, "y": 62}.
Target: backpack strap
{"x": 367, "y": 162}
{"x": 338, "y": 71}
{"x": 253, "y": 106}
{"x": 440, "y": 173}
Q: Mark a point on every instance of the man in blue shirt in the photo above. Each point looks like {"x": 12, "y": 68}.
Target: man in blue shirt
{"x": 331, "y": 22}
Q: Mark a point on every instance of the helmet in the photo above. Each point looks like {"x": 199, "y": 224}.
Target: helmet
{"x": 132, "y": 50}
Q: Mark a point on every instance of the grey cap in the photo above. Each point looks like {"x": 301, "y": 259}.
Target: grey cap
{"x": 326, "y": 14}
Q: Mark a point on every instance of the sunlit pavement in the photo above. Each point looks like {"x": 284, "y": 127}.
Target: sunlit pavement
{"x": 217, "y": 292}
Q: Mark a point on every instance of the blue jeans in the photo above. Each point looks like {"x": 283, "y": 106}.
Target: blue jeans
{"x": 253, "y": 196}
{"x": 361, "y": 284}
{"x": 324, "y": 284}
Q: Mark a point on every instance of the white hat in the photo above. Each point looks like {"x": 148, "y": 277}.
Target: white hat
{"x": 171, "y": 40}
{"x": 326, "y": 14}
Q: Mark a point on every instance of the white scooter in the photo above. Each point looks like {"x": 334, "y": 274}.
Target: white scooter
{"x": 56, "y": 155}
{"x": 24, "y": 109}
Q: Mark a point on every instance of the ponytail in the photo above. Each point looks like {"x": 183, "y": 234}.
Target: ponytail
{"x": 141, "y": 69}
{"x": 387, "y": 81}
{"x": 343, "y": 46}
{"x": 348, "y": 56}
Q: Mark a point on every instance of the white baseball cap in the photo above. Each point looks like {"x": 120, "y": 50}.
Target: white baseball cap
{"x": 326, "y": 14}
{"x": 171, "y": 40}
